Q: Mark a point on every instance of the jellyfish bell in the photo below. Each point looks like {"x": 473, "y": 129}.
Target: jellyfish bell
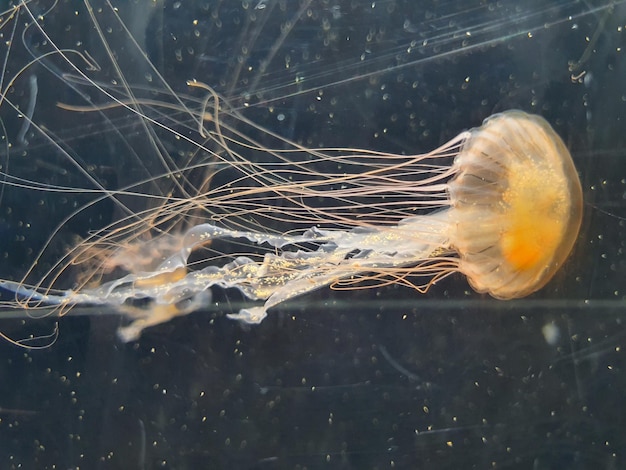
{"x": 516, "y": 205}
{"x": 507, "y": 209}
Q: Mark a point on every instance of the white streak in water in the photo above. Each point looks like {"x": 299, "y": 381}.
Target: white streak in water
{"x": 30, "y": 110}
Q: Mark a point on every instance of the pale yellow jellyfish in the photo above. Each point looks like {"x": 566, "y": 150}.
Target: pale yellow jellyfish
{"x": 505, "y": 203}
{"x": 500, "y": 203}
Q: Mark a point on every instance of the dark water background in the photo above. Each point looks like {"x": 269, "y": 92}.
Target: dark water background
{"x": 374, "y": 379}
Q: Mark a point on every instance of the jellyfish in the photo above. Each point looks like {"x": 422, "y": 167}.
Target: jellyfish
{"x": 503, "y": 206}
{"x": 250, "y": 210}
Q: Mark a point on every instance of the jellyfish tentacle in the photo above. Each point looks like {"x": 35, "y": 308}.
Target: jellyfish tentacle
{"x": 302, "y": 263}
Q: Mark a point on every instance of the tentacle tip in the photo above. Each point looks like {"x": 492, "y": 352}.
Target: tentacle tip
{"x": 252, "y": 315}
{"x": 130, "y": 333}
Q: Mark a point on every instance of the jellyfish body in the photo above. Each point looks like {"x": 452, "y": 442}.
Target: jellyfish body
{"x": 516, "y": 205}
{"x": 508, "y": 214}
